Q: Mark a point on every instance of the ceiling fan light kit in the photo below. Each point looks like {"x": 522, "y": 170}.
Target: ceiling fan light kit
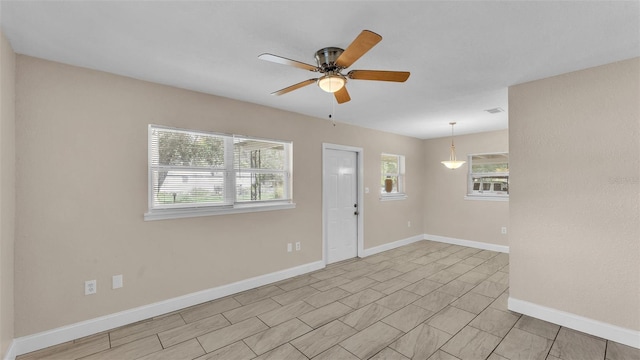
{"x": 332, "y": 83}
{"x": 332, "y": 60}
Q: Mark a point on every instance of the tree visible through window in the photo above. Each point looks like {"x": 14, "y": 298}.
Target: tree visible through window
{"x": 187, "y": 168}
{"x": 260, "y": 170}
{"x": 190, "y": 169}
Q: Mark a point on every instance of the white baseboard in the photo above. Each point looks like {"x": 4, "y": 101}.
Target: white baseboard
{"x": 391, "y": 245}
{"x": 468, "y": 243}
{"x": 11, "y": 354}
{"x": 63, "y": 334}
{"x": 594, "y": 327}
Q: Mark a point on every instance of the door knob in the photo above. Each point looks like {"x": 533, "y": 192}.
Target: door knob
{"x": 355, "y": 213}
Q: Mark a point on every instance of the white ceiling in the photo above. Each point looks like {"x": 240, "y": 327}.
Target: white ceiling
{"x": 462, "y": 55}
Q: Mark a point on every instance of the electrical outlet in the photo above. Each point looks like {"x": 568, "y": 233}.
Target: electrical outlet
{"x": 90, "y": 287}
{"x": 504, "y": 230}
{"x": 116, "y": 281}
{"x": 408, "y": 223}
{"x": 298, "y": 246}
{"x": 289, "y": 247}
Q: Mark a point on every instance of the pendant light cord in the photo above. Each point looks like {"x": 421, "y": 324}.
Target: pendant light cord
{"x": 452, "y": 155}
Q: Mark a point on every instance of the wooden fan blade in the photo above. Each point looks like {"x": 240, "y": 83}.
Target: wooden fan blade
{"x": 363, "y": 43}
{"x": 284, "y": 61}
{"x": 379, "y": 75}
{"x": 294, "y": 87}
{"x": 342, "y": 95}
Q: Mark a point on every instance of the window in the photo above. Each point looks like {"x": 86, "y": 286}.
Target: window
{"x": 488, "y": 176}
{"x": 392, "y": 177}
{"x": 261, "y": 170}
{"x": 194, "y": 173}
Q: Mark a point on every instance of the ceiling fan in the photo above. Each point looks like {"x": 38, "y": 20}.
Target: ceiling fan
{"x": 332, "y": 60}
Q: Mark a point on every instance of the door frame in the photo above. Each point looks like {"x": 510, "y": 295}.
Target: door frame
{"x": 359, "y": 193}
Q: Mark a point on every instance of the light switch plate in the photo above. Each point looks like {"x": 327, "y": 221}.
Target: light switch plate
{"x": 116, "y": 282}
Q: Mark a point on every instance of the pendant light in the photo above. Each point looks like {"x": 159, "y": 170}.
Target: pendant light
{"x": 452, "y": 163}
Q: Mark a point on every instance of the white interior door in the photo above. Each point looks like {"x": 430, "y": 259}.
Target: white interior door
{"x": 341, "y": 204}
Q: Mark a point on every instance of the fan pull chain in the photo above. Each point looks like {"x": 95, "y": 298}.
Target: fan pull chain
{"x": 333, "y": 110}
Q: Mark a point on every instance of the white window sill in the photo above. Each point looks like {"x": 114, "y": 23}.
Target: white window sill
{"x": 165, "y": 214}
{"x": 486, "y": 198}
{"x": 393, "y": 197}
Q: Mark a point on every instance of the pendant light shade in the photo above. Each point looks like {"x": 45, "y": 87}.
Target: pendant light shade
{"x": 452, "y": 163}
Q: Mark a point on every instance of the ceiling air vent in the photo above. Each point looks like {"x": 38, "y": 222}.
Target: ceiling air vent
{"x": 495, "y": 110}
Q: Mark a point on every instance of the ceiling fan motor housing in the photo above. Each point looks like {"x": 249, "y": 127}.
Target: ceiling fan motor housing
{"x": 327, "y": 57}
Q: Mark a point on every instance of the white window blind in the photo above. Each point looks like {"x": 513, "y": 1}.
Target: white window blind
{"x": 195, "y": 170}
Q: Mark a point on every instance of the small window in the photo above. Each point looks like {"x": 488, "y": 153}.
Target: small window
{"x": 488, "y": 176}
{"x": 392, "y": 177}
{"x": 195, "y": 173}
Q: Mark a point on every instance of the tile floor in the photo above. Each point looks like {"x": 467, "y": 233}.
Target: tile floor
{"x": 426, "y": 300}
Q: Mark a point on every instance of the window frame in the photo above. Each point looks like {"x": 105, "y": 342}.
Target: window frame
{"x": 400, "y": 193}
{"x": 491, "y": 195}
{"x": 230, "y": 204}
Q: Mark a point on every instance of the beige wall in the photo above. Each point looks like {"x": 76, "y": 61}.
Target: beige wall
{"x": 7, "y": 190}
{"x": 575, "y": 166}
{"x": 81, "y": 139}
{"x": 446, "y": 212}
